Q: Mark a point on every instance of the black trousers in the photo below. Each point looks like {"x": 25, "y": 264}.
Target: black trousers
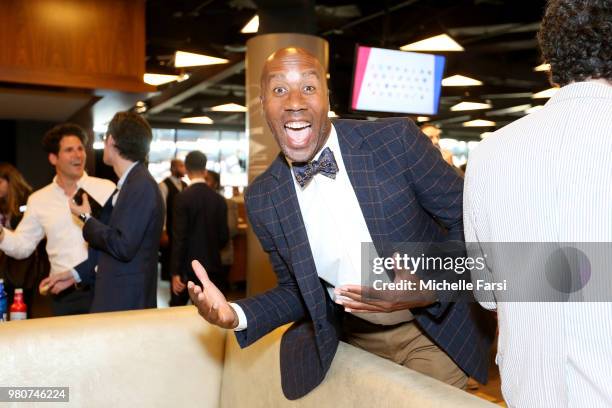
{"x": 72, "y": 301}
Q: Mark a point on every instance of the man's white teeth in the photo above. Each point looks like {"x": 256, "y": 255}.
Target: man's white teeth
{"x": 297, "y": 125}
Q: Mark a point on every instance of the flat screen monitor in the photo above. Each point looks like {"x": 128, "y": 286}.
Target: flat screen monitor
{"x": 396, "y": 81}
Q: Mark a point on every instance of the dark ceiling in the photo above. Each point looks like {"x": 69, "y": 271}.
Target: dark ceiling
{"x": 498, "y": 37}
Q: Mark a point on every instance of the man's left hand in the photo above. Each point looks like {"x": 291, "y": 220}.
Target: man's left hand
{"x": 56, "y": 282}
{"x": 365, "y": 299}
{"x": 84, "y": 208}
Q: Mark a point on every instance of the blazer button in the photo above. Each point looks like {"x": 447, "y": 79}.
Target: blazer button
{"x": 319, "y": 326}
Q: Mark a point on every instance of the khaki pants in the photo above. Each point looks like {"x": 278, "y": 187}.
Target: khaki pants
{"x": 407, "y": 345}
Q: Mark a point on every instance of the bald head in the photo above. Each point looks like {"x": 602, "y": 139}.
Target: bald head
{"x": 295, "y": 102}
{"x": 289, "y": 55}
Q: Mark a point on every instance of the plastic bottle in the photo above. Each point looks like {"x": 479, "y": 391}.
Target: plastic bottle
{"x": 19, "y": 310}
{"x": 3, "y": 302}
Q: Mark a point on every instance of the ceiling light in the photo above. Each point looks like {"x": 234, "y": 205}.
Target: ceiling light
{"x": 485, "y": 134}
{"x": 331, "y": 114}
{"x": 478, "y": 123}
{"x": 252, "y": 26}
{"x": 229, "y": 107}
{"x": 440, "y": 42}
{"x": 546, "y": 93}
{"x": 423, "y": 119}
{"x": 542, "y": 67}
{"x": 159, "y": 79}
{"x": 465, "y": 106}
{"x": 188, "y": 59}
{"x": 200, "y": 120}
{"x": 534, "y": 109}
{"x": 460, "y": 80}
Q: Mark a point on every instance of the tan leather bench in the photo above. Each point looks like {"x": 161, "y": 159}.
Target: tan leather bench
{"x": 173, "y": 358}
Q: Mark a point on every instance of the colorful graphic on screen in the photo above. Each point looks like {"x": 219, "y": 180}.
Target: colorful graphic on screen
{"x": 397, "y": 81}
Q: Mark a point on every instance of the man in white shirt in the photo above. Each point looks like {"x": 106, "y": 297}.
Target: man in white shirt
{"x": 370, "y": 182}
{"x": 48, "y": 215}
{"x": 544, "y": 180}
{"x": 126, "y": 237}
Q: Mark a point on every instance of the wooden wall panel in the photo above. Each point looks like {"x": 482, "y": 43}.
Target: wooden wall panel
{"x": 74, "y": 43}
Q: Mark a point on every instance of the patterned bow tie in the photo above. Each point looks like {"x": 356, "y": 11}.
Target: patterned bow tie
{"x": 326, "y": 165}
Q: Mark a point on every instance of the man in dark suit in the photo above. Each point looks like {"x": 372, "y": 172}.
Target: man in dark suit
{"x": 200, "y": 231}
{"x": 373, "y": 182}
{"x": 125, "y": 241}
{"x": 170, "y": 187}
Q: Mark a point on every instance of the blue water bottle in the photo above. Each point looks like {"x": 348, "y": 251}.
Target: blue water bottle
{"x": 3, "y": 302}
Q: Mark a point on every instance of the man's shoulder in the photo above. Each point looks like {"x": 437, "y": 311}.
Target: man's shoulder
{"x": 41, "y": 194}
{"x": 380, "y": 131}
{"x": 262, "y": 185}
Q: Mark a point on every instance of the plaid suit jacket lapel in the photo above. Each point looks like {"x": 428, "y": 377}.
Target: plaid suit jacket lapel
{"x": 302, "y": 263}
{"x": 360, "y": 167}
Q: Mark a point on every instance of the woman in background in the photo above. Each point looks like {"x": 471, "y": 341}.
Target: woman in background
{"x": 14, "y": 193}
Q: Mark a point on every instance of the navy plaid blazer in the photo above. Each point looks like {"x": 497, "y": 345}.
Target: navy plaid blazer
{"x": 407, "y": 193}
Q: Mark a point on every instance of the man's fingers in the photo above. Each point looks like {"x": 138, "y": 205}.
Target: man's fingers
{"x": 200, "y": 272}
{"x": 360, "y": 306}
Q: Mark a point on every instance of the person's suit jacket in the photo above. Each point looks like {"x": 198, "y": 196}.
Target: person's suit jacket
{"x": 406, "y": 193}
{"x": 199, "y": 231}
{"x": 124, "y": 245}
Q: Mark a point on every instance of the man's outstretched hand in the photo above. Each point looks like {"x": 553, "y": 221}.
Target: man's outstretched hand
{"x": 209, "y": 300}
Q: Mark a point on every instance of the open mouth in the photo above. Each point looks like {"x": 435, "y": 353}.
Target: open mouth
{"x": 298, "y": 132}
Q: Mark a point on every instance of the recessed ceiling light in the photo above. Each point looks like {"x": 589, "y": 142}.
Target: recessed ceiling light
{"x": 189, "y": 59}
{"x": 440, "y": 42}
{"x": 252, "y": 26}
{"x": 465, "y": 106}
{"x": 159, "y": 79}
{"x": 460, "y": 80}
{"x": 423, "y": 118}
{"x": 542, "y": 67}
{"x": 534, "y": 109}
{"x": 229, "y": 107}
{"x": 478, "y": 123}
{"x": 201, "y": 120}
{"x": 548, "y": 93}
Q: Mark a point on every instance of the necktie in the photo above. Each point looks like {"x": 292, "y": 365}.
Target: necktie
{"x": 326, "y": 165}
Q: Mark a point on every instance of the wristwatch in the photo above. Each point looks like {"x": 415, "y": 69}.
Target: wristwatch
{"x": 84, "y": 216}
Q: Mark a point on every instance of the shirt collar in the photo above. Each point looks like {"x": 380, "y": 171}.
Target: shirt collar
{"x": 196, "y": 180}
{"x": 124, "y": 176}
{"x": 79, "y": 183}
{"x": 583, "y": 89}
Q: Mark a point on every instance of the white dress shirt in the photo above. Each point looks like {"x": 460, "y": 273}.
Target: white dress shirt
{"x": 48, "y": 214}
{"x": 336, "y": 230}
{"x": 547, "y": 178}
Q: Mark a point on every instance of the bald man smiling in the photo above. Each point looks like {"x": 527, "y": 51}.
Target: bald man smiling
{"x": 332, "y": 187}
